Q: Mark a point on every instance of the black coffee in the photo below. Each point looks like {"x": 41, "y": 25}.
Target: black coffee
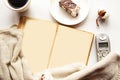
{"x": 17, "y": 3}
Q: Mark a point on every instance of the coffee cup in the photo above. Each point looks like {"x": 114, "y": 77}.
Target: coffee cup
{"x": 18, "y": 5}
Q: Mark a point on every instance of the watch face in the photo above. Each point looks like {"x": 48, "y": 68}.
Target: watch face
{"x": 104, "y": 44}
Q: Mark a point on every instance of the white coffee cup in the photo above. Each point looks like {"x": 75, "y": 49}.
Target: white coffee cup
{"x": 20, "y": 9}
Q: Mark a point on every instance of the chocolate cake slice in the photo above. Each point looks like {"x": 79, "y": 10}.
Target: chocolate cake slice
{"x": 70, "y": 7}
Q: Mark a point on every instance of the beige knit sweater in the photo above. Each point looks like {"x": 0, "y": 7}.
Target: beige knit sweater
{"x": 13, "y": 65}
{"x": 107, "y": 69}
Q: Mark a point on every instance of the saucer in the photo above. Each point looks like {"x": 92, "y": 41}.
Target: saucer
{"x": 61, "y": 16}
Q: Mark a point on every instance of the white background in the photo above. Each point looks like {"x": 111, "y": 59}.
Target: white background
{"x": 40, "y": 9}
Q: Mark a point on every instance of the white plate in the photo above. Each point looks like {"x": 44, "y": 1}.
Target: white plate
{"x": 63, "y": 17}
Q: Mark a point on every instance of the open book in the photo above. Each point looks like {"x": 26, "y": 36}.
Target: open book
{"x": 47, "y": 44}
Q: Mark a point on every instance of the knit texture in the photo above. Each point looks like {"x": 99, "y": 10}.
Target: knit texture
{"x": 13, "y": 65}
{"x": 107, "y": 69}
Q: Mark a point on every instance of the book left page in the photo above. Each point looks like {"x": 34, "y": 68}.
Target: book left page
{"x": 38, "y": 41}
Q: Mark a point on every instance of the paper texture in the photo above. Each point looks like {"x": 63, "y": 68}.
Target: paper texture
{"x": 37, "y": 42}
{"x": 70, "y": 46}
{"x": 47, "y": 44}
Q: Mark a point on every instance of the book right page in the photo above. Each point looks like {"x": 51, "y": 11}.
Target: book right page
{"x": 70, "y": 46}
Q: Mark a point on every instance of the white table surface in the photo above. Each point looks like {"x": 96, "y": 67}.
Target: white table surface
{"x": 40, "y": 9}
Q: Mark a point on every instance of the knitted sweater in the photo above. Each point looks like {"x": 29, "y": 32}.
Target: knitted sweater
{"x": 13, "y": 65}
